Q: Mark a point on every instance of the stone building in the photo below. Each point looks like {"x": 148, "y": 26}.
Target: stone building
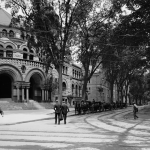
{"x": 22, "y": 73}
{"x": 98, "y": 89}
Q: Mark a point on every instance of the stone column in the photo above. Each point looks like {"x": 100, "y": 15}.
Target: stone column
{"x": 45, "y": 96}
{"x": 42, "y": 95}
{"x": 27, "y": 94}
{"x": 18, "y": 94}
{"x": 22, "y": 94}
{"x": 4, "y": 53}
{"x": 27, "y": 57}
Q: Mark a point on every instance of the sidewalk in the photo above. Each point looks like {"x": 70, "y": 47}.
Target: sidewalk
{"x": 23, "y": 116}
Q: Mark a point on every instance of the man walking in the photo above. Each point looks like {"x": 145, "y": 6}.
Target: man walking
{"x": 1, "y": 112}
{"x": 57, "y": 108}
{"x": 135, "y": 110}
{"x": 65, "y": 110}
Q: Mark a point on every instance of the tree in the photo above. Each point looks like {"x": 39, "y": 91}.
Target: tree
{"x": 51, "y": 24}
{"x": 92, "y": 30}
{"x": 138, "y": 86}
{"x": 51, "y": 84}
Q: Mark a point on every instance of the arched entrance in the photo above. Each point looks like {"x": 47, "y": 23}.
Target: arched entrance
{"x": 6, "y": 83}
{"x": 35, "y": 88}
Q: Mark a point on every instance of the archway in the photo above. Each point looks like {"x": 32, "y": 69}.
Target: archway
{"x": 64, "y": 86}
{"x": 35, "y": 88}
{"x": 5, "y": 85}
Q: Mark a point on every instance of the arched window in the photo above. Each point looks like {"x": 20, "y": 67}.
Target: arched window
{"x": 4, "y": 33}
{"x": 11, "y": 33}
{"x": 66, "y": 70}
{"x": 9, "y": 53}
{"x": 24, "y": 54}
{"x": 1, "y": 51}
{"x": 64, "y": 86}
{"x": 76, "y": 90}
{"x": 31, "y": 55}
{"x": 72, "y": 89}
{"x": 73, "y": 72}
{"x": 79, "y": 91}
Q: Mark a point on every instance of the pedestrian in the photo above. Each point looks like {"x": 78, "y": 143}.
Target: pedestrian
{"x": 57, "y": 108}
{"x": 1, "y": 112}
{"x": 135, "y": 110}
{"x": 65, "y": 110}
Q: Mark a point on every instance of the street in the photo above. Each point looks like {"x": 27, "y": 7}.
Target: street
{"x": 110, "y": 130}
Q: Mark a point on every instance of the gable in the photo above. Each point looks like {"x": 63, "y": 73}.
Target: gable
{"x": 5, "y": 17}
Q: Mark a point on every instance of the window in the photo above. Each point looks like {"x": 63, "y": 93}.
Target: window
{"x": 80, "y": 91}
{"x": 11, "y": 33}
{"x": 64, "y": 86}
{"x": 25, "y": 54}
{"x": 1, "y": 53}
{"x": 9, "y": 53}
{"x": 66, "y": 70}
{"x": 4, "y": 33}
{"x": 79, "y": 75}
{"x": 72, "y": 89}
{"x": 31, "y": 55}
{"x": 73, "y": 72}
{"x": 76, "y": 90}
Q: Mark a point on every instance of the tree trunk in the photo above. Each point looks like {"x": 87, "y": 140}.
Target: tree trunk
{"x": 118, "y": 93}
{"x": 84, "y": 89}
{"x": 60, "y": 83}
{"x": 111, "y": 92}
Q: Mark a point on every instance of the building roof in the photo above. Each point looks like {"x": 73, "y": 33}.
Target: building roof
{"x": 5, "y": 17}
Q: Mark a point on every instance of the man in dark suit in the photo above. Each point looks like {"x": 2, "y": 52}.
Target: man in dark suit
{"x": 57, "y": 108}
{"x": 65, "y": 110}
{"x": 1, "y": 112}
{"x": 135, "y": 110}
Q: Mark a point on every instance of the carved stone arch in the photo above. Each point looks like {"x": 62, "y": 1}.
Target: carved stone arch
{"x": 2, "y": 43}
{"x": 14, "y": 46}
{"x": 24, "y": 46}
{"x": 12, "y": 71}
{"x": 35, "y": 71}
{"x": 65, "y": 81}
{"x": 34, "y": 51}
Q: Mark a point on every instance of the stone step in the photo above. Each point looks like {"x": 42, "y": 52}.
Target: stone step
{"x": 10, "y": 105}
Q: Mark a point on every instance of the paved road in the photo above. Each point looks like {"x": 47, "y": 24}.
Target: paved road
{"x": 114, "y": 130}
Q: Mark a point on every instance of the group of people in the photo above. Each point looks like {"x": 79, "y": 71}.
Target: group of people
{"x": 61, "y": 112}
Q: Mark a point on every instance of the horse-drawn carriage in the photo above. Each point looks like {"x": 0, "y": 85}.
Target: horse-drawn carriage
{"x": 83, "y": 107}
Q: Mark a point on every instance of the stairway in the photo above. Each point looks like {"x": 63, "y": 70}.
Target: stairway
{"x": 36, "y": 104}
{"x": 8, "y": 104}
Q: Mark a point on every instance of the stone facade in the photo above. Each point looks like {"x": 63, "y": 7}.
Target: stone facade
{"x": 22, "y": 73}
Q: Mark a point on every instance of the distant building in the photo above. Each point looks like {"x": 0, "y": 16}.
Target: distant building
{"x": 98, "y": 88}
